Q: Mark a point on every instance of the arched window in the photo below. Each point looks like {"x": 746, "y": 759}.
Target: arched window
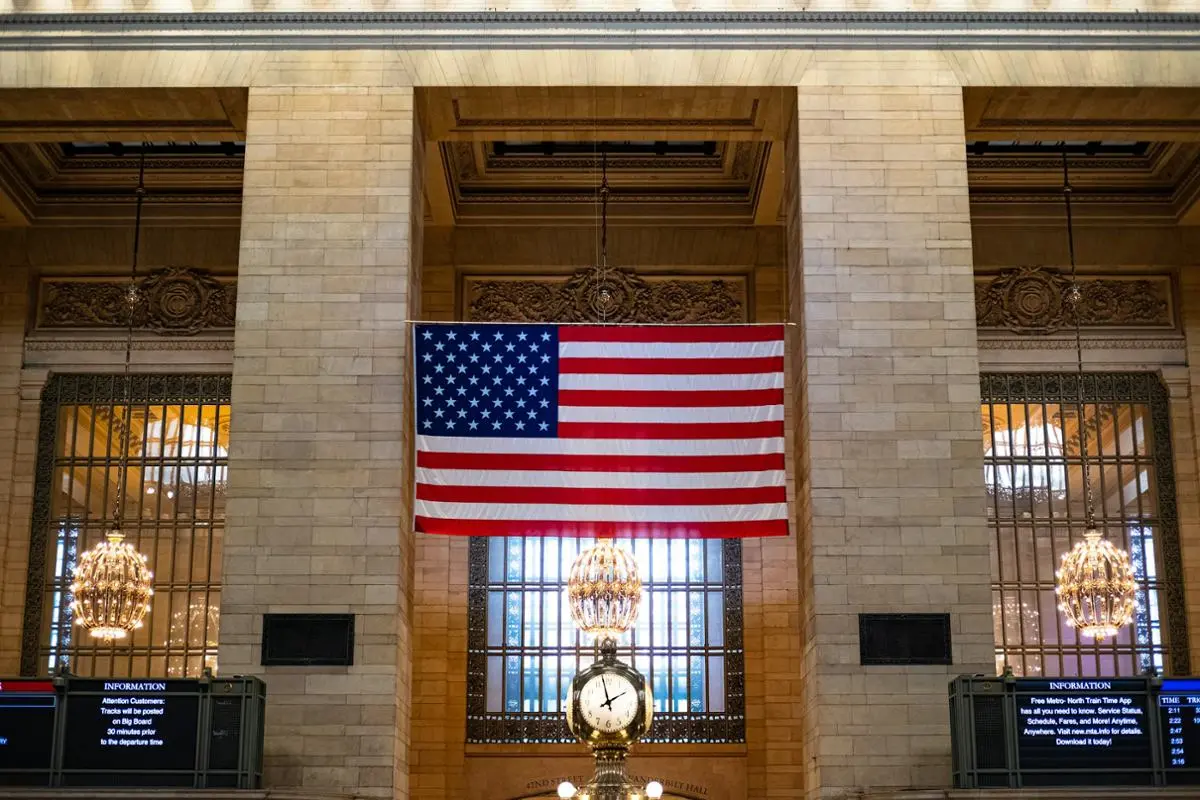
{"x": 173, "y": 512}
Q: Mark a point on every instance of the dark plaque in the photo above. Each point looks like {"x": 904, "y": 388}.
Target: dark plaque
{"x": 128, "y": 731}
{"x": 27, "y": 711}
{"x": 306, "y": 640}
{"x": 1083, "y": 732}
{"x": 903, "y": 639}
{"x": 1179, "y": 718}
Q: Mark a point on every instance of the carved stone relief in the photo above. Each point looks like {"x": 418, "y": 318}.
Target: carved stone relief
{"x": 1035, "y": 300}
{"x": 611, "y": 295}
{"x": 176, "y": 301}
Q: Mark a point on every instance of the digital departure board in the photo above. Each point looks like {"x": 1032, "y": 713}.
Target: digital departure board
{"x": 1179, "y": 718}
{"x": 123, "y": 725}
{"x": 1099, "y": 727}
{"x": 27, "y": 716}
{"x": 146, "y": 732}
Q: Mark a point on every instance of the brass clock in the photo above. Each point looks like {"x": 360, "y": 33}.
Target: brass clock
{"x": 610, "y": 704}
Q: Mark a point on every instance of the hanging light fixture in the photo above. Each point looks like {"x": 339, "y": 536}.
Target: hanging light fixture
{"x": 1096, "y": 587}
{"x": 604, "y": 590}
{"x": 111, "y": 585}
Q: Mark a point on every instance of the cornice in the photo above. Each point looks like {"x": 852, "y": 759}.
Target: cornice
{"x": 517, "y": 30}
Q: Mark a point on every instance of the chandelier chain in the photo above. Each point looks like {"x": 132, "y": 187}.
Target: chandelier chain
{"x": 1076, "y": 297}
{"x": 131, "y": 300}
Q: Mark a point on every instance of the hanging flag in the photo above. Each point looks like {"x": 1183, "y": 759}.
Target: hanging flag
{"x": 586, "y": 430}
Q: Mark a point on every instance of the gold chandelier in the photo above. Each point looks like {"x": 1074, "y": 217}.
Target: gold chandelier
{"x": 604, "y": 590}
{"x": 111, "y": 584}
{"x": 1095, "y": 584}
{"x": 111, "y": 589}
{"x": 1096, "y": 587}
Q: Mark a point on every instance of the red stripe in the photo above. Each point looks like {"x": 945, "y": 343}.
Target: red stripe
{"x": 671, "y": 366}
{"x": 599, "y": 463}
{"x": 573, "y": 529}
{"x": 670, "y": 333}
{"x": 681, "y": 399}
{"x": 588, "y": 496}
{"x": 669, "y": 430}
{"x": 26, "y": 687}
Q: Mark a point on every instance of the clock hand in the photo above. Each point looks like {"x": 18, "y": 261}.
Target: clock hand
{"x": 612, "y": 699}
{"x": 604, "y": 684}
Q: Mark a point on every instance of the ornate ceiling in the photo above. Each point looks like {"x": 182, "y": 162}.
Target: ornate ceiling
{"x": 691, "y": 157}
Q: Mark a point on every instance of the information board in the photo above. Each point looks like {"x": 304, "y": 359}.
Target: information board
{"x": 1095, "y": 726}
{"x": 27, "y": 716}
{"x": 125, "y": 724}
{"x": 1179, "y": 718}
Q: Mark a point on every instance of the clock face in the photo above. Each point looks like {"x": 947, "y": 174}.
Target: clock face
{"x": 608, "y": 702}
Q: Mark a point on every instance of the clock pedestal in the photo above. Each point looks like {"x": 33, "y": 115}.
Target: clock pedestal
{"x": 610, "y": 781}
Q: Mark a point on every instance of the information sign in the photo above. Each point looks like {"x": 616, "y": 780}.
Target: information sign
{"x": 1093, "y": 725}
{"x": 27, "y": 714}
{"x": 125, "y": 724}
{"x": 1179, "y": 718}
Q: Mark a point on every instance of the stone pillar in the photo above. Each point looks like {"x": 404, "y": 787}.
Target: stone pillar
{"x": 318, "y": 517}
{"x": 1184, "y": 386}
{"x": 18, "y": 434}
{"x": 891, "y": 499}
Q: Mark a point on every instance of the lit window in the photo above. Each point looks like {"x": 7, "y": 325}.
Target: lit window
{"x": 1037, "y": 511}
{"x": 173, "y": 512}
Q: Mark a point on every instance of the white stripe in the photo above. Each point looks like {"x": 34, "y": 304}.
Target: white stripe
{"x": 659, "y": 383}
{"x": 603, "y": 447}
{"x": 669, "y": 349}
{"x": 600, "y": 480}
{"x": 750, "y": 512}
{"x": 689, "y": 414}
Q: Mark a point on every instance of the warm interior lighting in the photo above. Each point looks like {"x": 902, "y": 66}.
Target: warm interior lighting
{"x": 111, "y": 591}
{"x": 566, "y": 789}
{"x": 604, "y": 590}
{"x": 654, "y": 790}
{"x": 1096, "y": 587}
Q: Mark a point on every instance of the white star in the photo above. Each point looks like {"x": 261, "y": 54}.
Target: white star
{"x": 449, "y": 379}
{"x": 544, "y": 380}
{"x": 427, "y": 357}
{"x": 487, "y": 347}
{"x": 474, "y": 402}
{"x": 533, "y": 369}
{"x": 450, "y": 357}
{"x": 426, "y": 335}
{"x": 521, "y": 380}
{"x": 428, "y": 379}
{"x": 450, "y": 423}
{"x": 462, "y": 412}
{"x": 499, "y": 337}
{"x": 508, "y": 370}
{"x": 462, "y": 368}
{"x": 543, "y": 426}
{"x": 461, "y": 390}
{"x": 510, "y": 347}
{"x": 439, "y": 346}
{"x": 450, "y": 401}
{"x": 474, "y": 379}
{"x": 496, "y": 424}
{"x": 438, "y": 390}
{"x": 496, "y": 381}
{"x": 474, "y": 358}
{"x": 533, "y": 347}
{"x": 499, "y": 359}
{"x": 533, "y": 415}
{"x": 462, "y": 346}
{"x": 485, "y": 414}
{"x": 521, "y": 403}
{"x": 498, "y": 402}
{"x": 473, "y": 424}
{"x": 487, "y": 368}
{"x": 437, "y": 412}
{"x": 545, "y": 337}
{"x": 522, "y": 336}
{"x": 545, "y": 358}
{"x": 508, "y": 414}
{"x": 438, "y": 368}
{"x": 428, "y": 401}
{"x": 427, "y": 423}
{"x": 451, "y": 336}
{"x": 544, "y": 404}
{"x": 533, "y": 392}
{"x": 508, "y": 391}
{"x": 521, "y": 359}
{"x": 520, "y": 426}
{"x": 486, "y": 391}
{"x": 474, "y": 336}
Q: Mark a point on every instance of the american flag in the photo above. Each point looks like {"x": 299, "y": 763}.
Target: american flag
{"x": 600, "y": 430}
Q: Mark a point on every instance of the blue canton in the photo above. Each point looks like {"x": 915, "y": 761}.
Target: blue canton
{"x": 487, "y": 380}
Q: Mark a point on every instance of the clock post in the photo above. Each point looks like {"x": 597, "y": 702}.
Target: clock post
{"x": 609, "y": 707}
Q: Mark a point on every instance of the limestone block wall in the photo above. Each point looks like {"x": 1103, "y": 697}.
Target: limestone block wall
{"x": 317, "y": 519}
{"x": 892, "y": 403}
{"x": 16, "y": 464}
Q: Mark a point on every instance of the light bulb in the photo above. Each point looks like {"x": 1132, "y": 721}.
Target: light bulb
{"x": 566, "y": 789}
{"x": 654, "y": 790}
{"x": 149, "y": 490}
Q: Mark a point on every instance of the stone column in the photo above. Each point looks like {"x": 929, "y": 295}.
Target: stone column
{"x": 18, "y": 434}
{"x": 891, "y": 500}
{"x": 318, "y": 517}
{"x": 1184, "y": 386}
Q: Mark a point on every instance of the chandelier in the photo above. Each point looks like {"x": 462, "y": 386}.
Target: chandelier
{"x": 604, "y": 590}
{"x": 596, "y": 791}
{"x": 111, "y": 585}
{"x": 1095, "y": 584}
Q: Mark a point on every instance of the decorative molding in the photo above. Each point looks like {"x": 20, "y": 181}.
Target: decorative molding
{"x": 1035, "y": 301}
{"x": 1009, "y": 343}
{"x": 113, "y": 345}
{"x": 176, "y": 301}
{"x": 612, "y": 295}
{"x": 522, "y": 30}
{"x": 581, "y": 122}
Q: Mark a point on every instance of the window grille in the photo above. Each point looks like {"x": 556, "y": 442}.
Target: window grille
{"x": 1036, "y": 512}
{"x": 524, "y": 649}
{"x": 174, "y": 513}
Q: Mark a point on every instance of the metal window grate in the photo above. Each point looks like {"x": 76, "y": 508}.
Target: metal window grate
{"x": 523, "y": 648}
{"x": 174, "y": 513}
{"x": 1036, "y": 510}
